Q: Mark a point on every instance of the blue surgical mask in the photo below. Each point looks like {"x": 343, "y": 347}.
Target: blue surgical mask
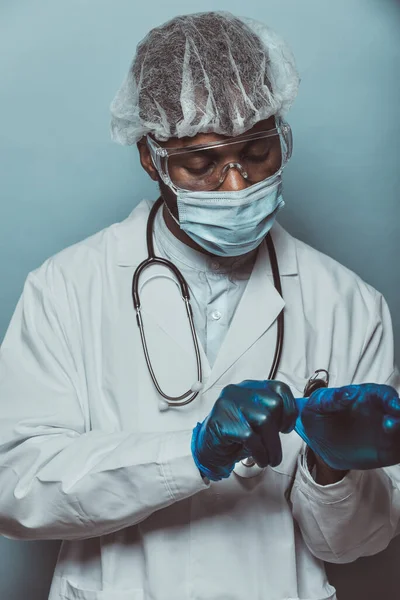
{"x": 231, "y": 223}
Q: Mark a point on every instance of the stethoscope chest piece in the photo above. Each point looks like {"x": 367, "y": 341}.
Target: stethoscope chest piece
{"x": 247, "y": 468}
{"x": 163, "y": 405}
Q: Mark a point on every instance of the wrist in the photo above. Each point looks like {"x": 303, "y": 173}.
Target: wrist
{"x": 207, "y": 469}
{"x": 323, "y": 473}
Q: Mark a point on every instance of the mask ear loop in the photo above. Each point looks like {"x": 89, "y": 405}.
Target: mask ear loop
{"x": 173, "y": 217}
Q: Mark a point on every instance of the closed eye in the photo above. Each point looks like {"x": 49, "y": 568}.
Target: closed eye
{"x": 200, "y": 170}
{"x": 257, "y": 158}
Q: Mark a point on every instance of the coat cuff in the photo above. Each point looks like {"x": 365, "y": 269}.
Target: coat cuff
{"x": 181, "y": 475}
{"x": 326, "y": 494}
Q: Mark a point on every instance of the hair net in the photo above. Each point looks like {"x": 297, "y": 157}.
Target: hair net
{"x": 205, "y": 72}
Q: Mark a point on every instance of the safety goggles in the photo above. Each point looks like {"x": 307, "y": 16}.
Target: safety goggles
{"x": 256, "y": 156}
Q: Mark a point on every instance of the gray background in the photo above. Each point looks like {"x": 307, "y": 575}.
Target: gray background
{"x": 61, "y": 179}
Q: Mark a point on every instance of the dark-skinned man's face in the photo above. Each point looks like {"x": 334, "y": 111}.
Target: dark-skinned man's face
{"x": 234, "y": 181}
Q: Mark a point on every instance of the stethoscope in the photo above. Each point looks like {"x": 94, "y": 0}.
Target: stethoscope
{"x": 247, "y": 467}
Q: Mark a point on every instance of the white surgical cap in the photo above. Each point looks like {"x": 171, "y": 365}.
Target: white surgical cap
{"x": 201, "y": 73}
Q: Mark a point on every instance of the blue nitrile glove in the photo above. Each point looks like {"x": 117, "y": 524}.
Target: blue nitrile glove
{"x": 245, "y": 421}
{"x": 352, "y": 427}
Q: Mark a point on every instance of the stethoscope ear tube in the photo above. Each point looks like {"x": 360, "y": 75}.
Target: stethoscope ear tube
{"x": 281, "y": 317}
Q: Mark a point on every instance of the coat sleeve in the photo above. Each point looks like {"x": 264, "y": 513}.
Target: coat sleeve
{"x": 359, "y": 515}
{"x": 58, "y": 478}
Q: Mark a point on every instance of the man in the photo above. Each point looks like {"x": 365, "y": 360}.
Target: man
{"x": 93, "y": 450}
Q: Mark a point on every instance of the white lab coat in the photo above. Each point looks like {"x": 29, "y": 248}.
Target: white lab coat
{"x": 86, "y": 456}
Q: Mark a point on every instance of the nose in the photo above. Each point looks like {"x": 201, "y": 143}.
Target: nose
{"x": 234, "y": 179}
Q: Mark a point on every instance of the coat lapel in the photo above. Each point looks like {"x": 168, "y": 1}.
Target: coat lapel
{"x": 256, "y": 313}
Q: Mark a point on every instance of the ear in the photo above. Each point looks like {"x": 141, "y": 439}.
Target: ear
{"x": 146, "y": 160}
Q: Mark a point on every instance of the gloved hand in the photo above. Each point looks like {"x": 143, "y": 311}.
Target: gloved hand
{"x": 245, "y": 421}
{"x": 352, "y": 427}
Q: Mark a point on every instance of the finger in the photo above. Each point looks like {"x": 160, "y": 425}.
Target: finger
{"x": 290, "y": 410}
{"x": 263, "y": 406}
{"x": 244, "y": 453}
{"x": 279, "y": 400}
{"x": 254, "y": 444}
{"x": 277, "y": 397}
{"x": 255, "y": 384}
{"x": 391, "y": 425}
{"x": 249, "y": 442}
{"x": 258, "y": 414}
{"x": 390, "y": 400}
{"x": 271, "y": 440}
{"x": 380, "y": 397}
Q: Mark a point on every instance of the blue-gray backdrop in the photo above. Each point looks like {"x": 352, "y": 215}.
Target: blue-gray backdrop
{"x": 62, "y": 179}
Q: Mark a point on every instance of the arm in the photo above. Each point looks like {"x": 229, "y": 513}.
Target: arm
{"x": 59, "y": 479}
{"x": 345, "y": 516}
